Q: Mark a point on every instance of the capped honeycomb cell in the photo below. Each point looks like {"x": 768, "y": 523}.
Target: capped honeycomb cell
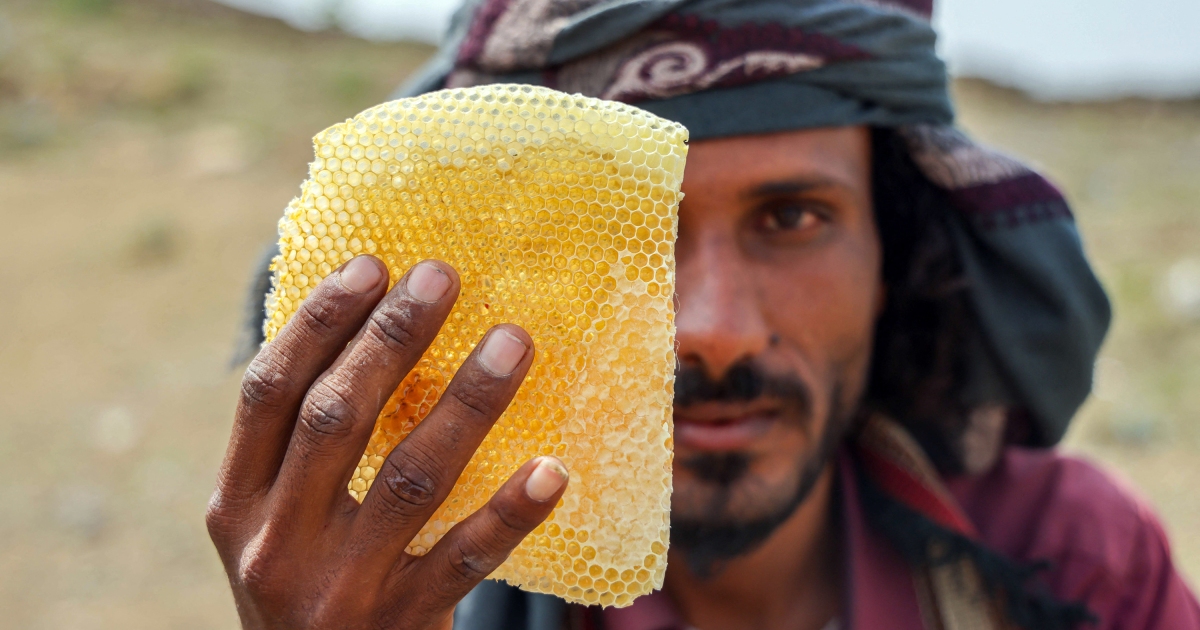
{"x": 559, "y": 213}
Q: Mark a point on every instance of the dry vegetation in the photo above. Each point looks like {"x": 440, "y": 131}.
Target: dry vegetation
{"x": 146, "y": 151}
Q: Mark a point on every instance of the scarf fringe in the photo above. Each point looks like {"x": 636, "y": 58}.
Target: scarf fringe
{"x": 925, "y": 544}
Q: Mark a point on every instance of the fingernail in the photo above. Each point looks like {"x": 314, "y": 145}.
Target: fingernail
{"x": 360, "y": 275}
{"x": 428, "y": 283}
{"x": 546, "y": 479}
{"x": 501, "y": 352}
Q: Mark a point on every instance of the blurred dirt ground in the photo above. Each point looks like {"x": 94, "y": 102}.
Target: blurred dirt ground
{"x": 147, "y": 149}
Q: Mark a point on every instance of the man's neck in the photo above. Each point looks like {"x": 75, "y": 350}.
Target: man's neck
{"x": 793, "y": 581}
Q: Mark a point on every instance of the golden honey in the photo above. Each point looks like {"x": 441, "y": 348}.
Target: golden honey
{"x": 559, "y": 213}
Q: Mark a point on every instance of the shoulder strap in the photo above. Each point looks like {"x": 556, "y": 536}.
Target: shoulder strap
{"x": 952, "y": 595}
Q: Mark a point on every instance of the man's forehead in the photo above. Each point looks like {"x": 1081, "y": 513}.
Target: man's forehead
{"x": 782, "y": 162}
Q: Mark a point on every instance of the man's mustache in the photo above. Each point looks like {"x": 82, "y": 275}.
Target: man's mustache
{"x": 743, "y": 382}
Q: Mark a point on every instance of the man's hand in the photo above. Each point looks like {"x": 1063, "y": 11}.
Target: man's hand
{"x": 299, "y": 551}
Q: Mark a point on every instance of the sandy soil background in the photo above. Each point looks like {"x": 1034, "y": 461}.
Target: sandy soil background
{"x": 147, "y": 149}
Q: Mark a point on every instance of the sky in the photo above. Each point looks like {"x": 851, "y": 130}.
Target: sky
{"x": 1052, "y": 49}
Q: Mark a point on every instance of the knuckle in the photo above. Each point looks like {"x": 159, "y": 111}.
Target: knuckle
{"x": 219, "y": 519}
{"x": 468, "y": 563}
{"x": 264, "y": 568}
{"x": 229, "y": 514}
{"x": 256, "y": 574}
{"x": 510, "y": 519}
{"x": 393, "y": 328}
{"x": 265, "y": 384}
{"x": 319, "y": 316}
{"x": 409, "y": 488}
{"x": 327, "y": 413}
{"x": 474, "y": 402}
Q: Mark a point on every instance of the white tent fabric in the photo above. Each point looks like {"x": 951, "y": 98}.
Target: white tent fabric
{"x": 387, "y": 20}
{"x": 1078, "y": 49}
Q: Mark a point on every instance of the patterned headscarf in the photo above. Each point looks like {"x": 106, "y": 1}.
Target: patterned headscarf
{"x": 735, "y": 67}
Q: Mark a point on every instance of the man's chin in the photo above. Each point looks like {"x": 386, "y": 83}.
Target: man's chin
{"x": 727, "y": 514}
{"x": 728, "y": 502}
{"x": 723, "y": 508}
{"x": 707, "y": 546}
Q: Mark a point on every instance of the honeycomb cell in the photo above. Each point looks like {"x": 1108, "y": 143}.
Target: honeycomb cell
{"x": 559, "y": 213}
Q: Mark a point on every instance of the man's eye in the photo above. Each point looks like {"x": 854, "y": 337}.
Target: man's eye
{"x": 788, "y": 217}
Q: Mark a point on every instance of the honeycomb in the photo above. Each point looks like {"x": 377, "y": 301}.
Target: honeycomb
{"x": 559, "y": 213}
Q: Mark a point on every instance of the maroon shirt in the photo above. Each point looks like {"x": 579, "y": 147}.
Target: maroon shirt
{"x": 1106, "y": 547}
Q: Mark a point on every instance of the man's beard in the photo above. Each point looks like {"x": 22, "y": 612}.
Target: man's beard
{"x": 708, "y": 540}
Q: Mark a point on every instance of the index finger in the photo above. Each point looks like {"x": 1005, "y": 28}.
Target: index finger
{"x": 476, "y": 547}
{"x": 278, "y": 378}
{"x": 421, "y": 471}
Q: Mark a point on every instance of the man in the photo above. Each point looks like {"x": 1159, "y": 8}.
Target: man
{"x": 883, "y": 329}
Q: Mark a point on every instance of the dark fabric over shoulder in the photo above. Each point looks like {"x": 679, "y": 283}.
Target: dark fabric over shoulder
{"x": 498, "y": 606}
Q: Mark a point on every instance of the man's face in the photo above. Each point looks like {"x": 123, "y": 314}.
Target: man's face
{"x": 778, "y": 281}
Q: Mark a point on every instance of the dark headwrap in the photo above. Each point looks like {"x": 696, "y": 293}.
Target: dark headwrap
{"x": 734, "y": 67}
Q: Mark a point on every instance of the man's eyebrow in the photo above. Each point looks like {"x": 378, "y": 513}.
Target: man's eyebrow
{"x": 792, "y": 186}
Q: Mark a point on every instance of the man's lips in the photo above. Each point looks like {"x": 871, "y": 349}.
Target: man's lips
{"x": 710, "y": 427}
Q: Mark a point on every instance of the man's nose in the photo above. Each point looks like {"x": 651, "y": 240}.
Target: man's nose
{"x": 720, "y": 320}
